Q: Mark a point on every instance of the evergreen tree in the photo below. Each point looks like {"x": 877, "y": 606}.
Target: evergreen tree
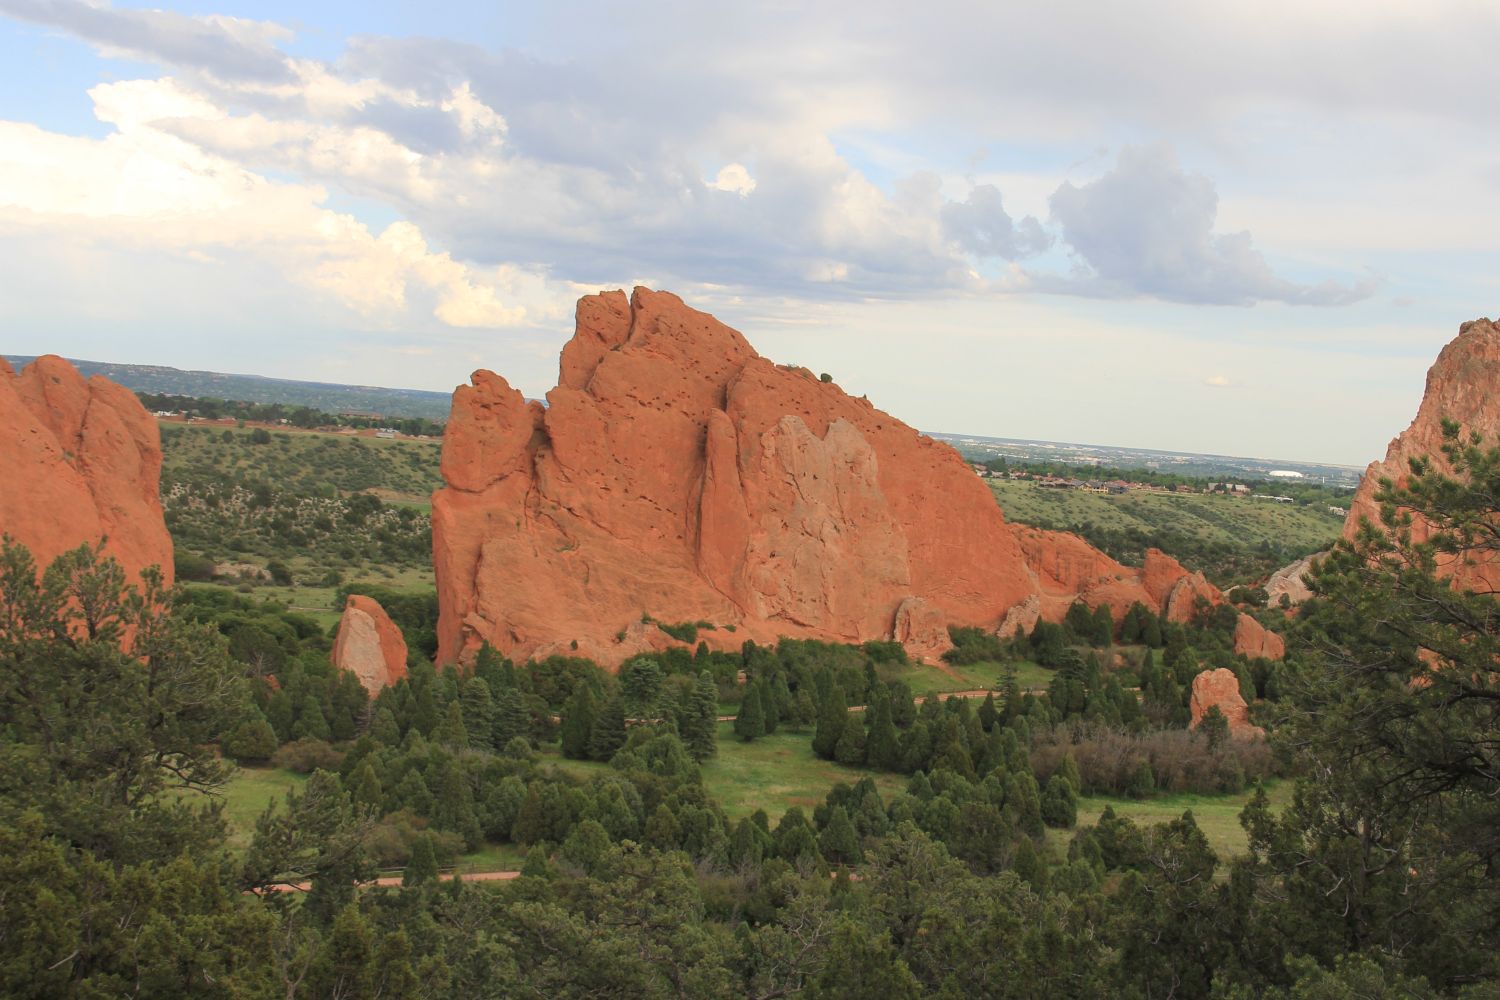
{"x": 512, "y": 717}
{"x": 364, "y": 786}
{"x": 883, "y": 744}
{"x": 699, "y": 726}
{"x": 453, "y": 803}
{"x": 450, "y": 732}
{"x": 384, "y": 729}
{"x": 750, "y": 723}
{"x": 850, "y": 749}
{"x": 310, "y": 722}
{"x": 833, "y": 714}
{"x": 608, "y": 735}
{"x": 478, "y": 711}
{"x": 988, "y": 713}
{"x": 769, "y": 713}
{"x": 838, "y": 842}
{"x": 252, "y": 742}
{"x": 1059, "y": 803}
{"x": 662, "y": 830}
{"x": 423, "y": 866}
{"x": 579, "y": 715}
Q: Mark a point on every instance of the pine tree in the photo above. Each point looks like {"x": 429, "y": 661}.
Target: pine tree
{"x": 850, "y": 749}
{"x": 750, "y": 723}
{"x": 450, "y": 732}
{"x": 423, "y": 867}
{"x": 384, "y": 729}
{"x": 833, "y": 715}
{"x": 838, "y": 842}
{"x": 579, "y": 715}
{"x": 770, "y": 715}
{"x": 988, "y": 713}
{"x": 512, "y": 717}
{"x": 479, "y": 712}
{"x": 609, "y": 729}
{"x": 310, "y": 722}
{"x": 453, "y": 804}
{"x": 662, "y": 829}
{"x": 699, "y": 726}
{"x": 883, "y": 744}
{"x": 364, "y": 786}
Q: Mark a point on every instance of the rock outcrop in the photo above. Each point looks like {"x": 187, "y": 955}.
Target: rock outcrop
{"x": 80, "y": 462}
{"x": 1463, "y": 385}
{"x": 675, "y": 474}
{"x": 369, "y": 645}
{"x": 1221, "y": 689}
{"x": 1253, "y": 639}
{"x": 1287, "y": 582}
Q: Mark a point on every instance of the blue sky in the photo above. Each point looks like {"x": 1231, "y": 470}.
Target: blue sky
{"x": 1216, "y": 228}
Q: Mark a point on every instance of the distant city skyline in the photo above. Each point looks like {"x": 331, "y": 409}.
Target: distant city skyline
{"x": 1237, "y": 230}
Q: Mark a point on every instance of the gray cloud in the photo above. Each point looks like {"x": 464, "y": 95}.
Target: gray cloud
{"x": 1147, "y": 228}
{"x": 223, "y": 47}
{"x": 982, "y": 227}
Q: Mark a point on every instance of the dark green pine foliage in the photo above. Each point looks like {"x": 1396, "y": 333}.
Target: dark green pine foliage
{"x": 833, "y": 715}
{"x": 883, "y": 743}
{"x": 478, "y": 705}
{"x": 579, "y": 715}
{"x": 423, "y": 866}
{"x": 608, "y": 735}
{"x": 839, "y": 843}
{"x": 699, "y": 725}
{"x": 750, "y": 723}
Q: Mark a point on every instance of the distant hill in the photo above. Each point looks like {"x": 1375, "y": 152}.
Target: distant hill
{"x": 258, "y": 389}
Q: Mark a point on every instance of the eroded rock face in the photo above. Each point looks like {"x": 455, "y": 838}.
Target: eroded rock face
{"x": 1462, "y": 385}
{"x": 676, "y": 474}
{"x": 1253, "y": 639}
{"x": 81, "y": 462}
{"x": 369, "y": 645}
{"x": 1219, "y": 688}
{"x": 1287, "y": 582}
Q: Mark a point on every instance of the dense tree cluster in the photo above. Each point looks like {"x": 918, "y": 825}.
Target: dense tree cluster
{"x": 972, "y": 877}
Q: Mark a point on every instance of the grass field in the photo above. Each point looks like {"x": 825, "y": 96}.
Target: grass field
{"x": 1186, "y": 525}
{"x": 247, "y": 795}
{"x": 970, "y": 677}
{"x": 1218, "y": 816}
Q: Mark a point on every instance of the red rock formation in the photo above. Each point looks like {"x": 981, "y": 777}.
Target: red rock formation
{"x": 82, "y": 462}
{"x": 369, "y": 645}
{"x": 1287, "y": 582}
{"x": 1253, "y": 639}
{"x": 675, "y": 473}
{"x": 1219, "y": 688}
{"x": 1462, "y": 385}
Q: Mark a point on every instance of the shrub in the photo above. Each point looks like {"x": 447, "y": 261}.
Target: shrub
{"x": 307, "y": 755}
{"x": 252, "y": 742}
{"x": 1109, "y": 760}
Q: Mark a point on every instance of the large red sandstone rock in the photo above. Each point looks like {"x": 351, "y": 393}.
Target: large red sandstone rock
{"x": 369, "y": 645}
{"x": 1220, "y": 688}
{"x": 674, "y": 473}
{"x": 81, "y": 462}
{"x": 1287, "y": 582}
{"x": 1253, "y": 639}
{"x": 1462, "y": 385}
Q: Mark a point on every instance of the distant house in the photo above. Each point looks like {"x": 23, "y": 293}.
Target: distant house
{"x": 1340, "y": 511}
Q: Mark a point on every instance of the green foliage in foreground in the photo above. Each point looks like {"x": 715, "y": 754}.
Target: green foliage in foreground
{"x": 1377, "y": 879}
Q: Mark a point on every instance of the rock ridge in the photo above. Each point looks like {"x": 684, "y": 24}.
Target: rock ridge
{"x": 675, "y": 475}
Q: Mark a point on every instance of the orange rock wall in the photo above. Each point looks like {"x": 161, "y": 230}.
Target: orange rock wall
{"x": 676, "y": 474}
{"x": 81, "y": 462}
